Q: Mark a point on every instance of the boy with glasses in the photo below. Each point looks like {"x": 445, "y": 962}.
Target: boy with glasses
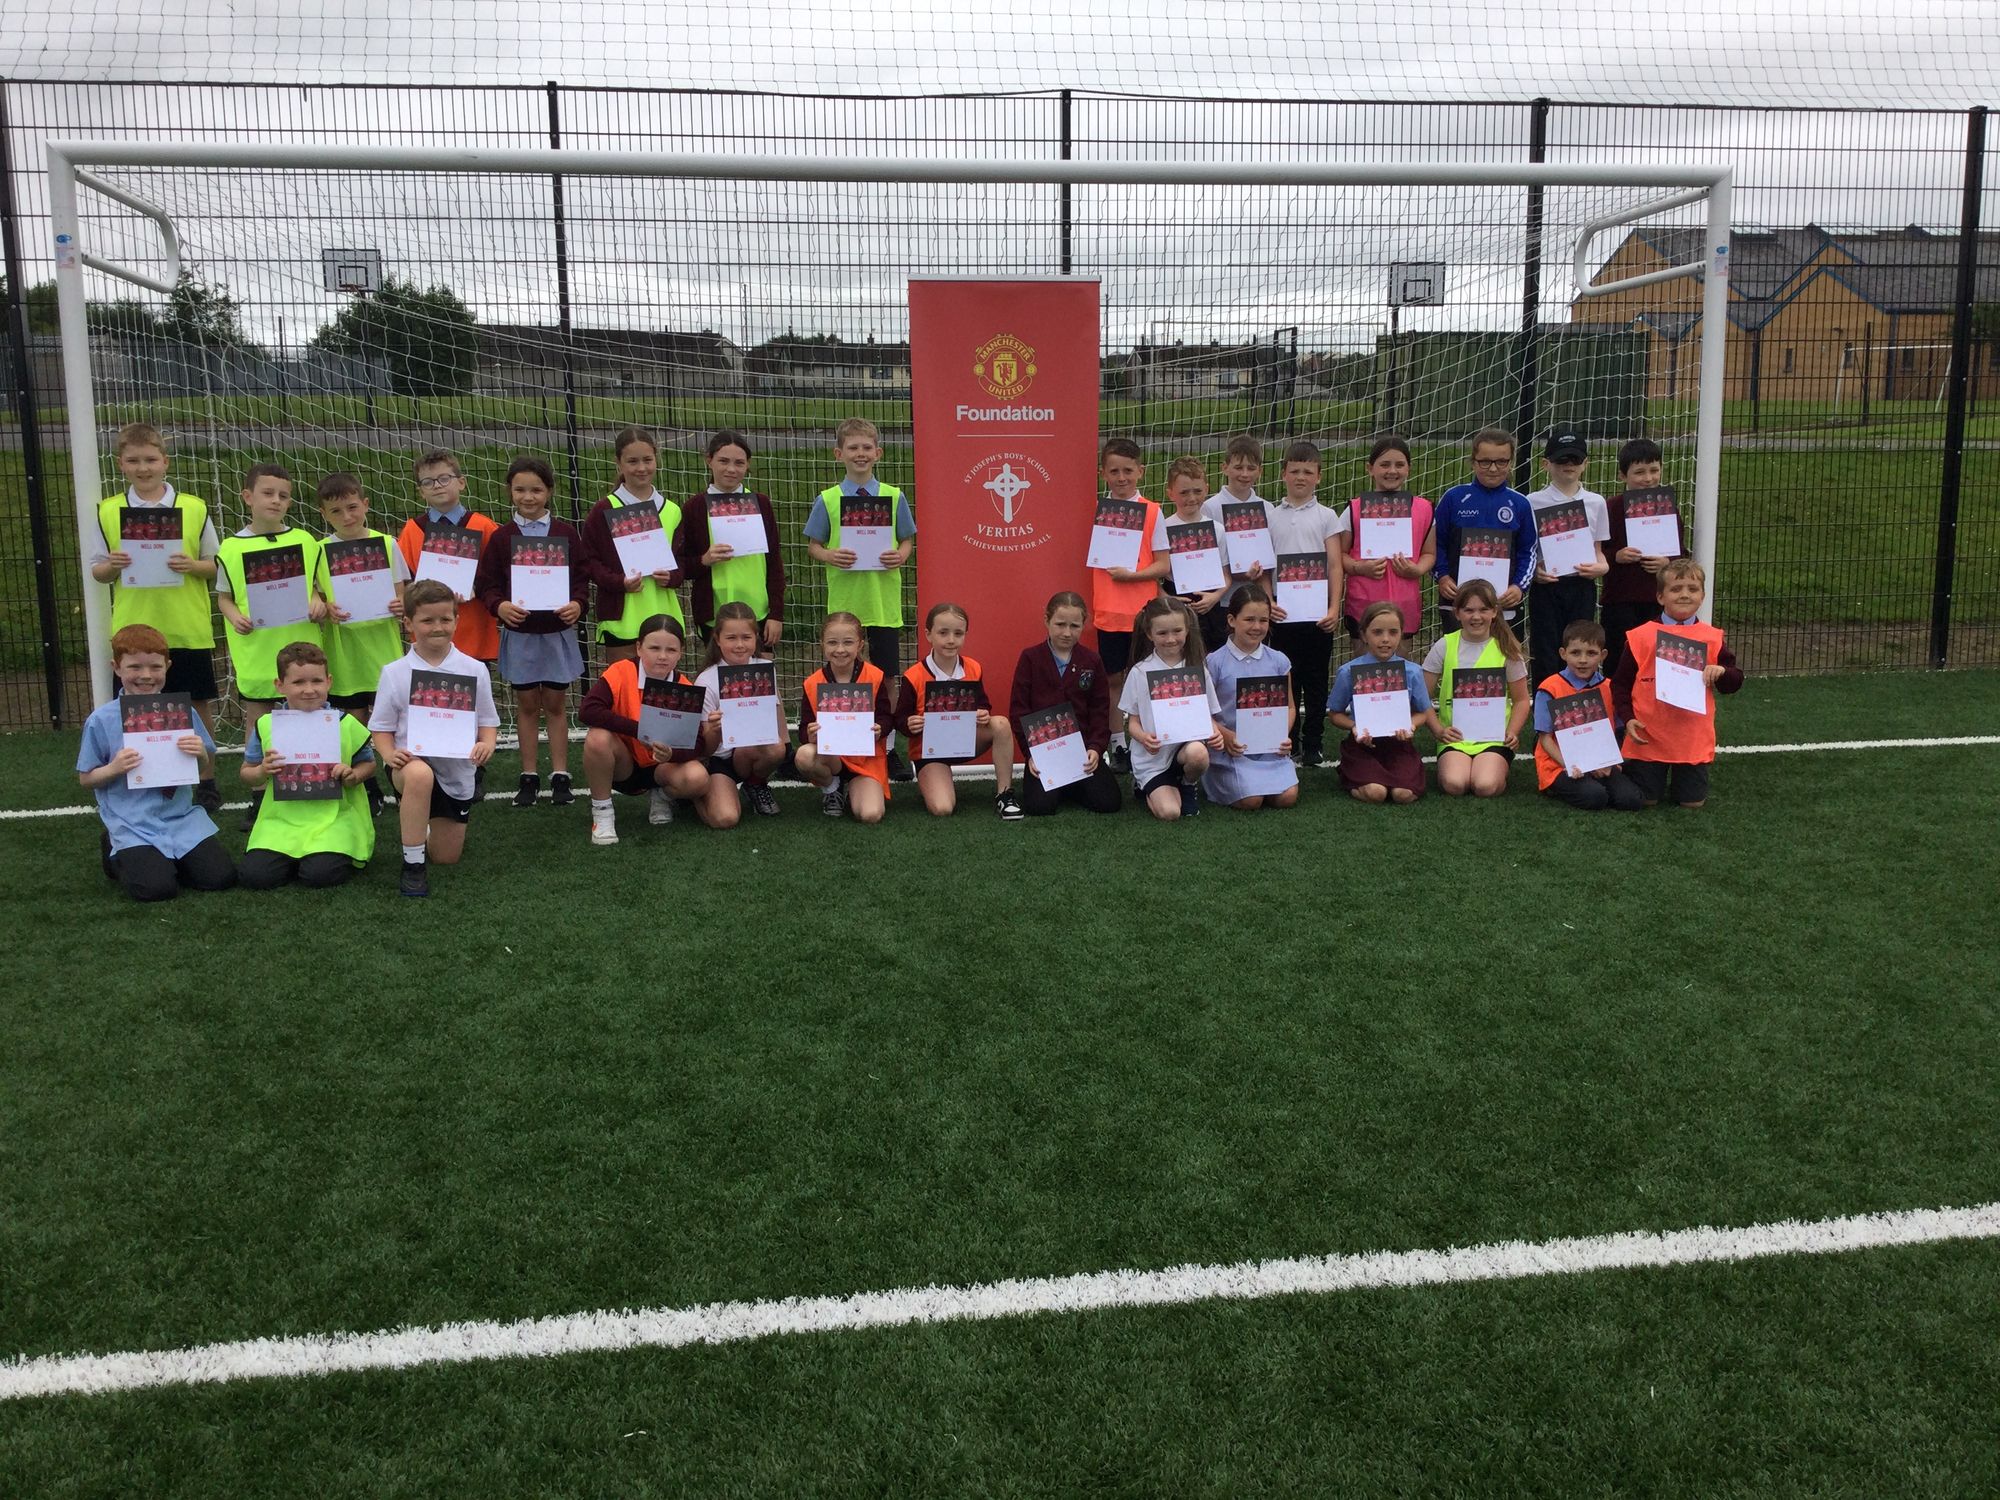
{"x": 440, "y": 483}
{"x": 1488, "y": 503}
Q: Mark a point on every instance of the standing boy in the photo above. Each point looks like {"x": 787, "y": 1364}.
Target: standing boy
{"x": 441, "y": 484}
{"x": 1242, "y": 467}
{"x": 357, "y": 651}
{"x": 1299, "y": 523}
{"x": 433, "y": 794}
{"x": 179, "y": 611}
{"x": 1118, "y": 594}
{"x": 1629, "y": 592}
{"x": 1554, "y": 602}
{"x": 155, "y": 839}
{"x": 872, "y": 588}
{"x": 1664, "y": 744}
{"x": 1489, "y": 502}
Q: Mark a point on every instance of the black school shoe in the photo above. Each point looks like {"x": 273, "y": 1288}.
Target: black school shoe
{"x": 531, "y": 788}
{"x": 1120, "y": 761}
{"x": 416, "y": 879}
{"x": 1190, "y": 799}
{"x": 1009, "y": 807}
{"x": 250, "y": 813}
{"x": 560, "y": 793}
{"x": 899, "y": 768}
{"x": 208, "y": 796}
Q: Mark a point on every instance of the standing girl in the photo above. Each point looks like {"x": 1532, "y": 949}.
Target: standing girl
{"x": 1064, "y": 670}
{"x": 538, "y": 649}
{"x": 1233, "y": 778}
{"x": 1167, "y": 777}
{"x": 1483, "y": 639}
{"x": 626, "y": 599}
{"x": 716, "y": 575}
{"x": 1397, "y": 578}
{"x": 615, "y": 759}
{"x": 945, "y": 629}
{"x": 734, "y": 643}
{"x": 1375, "y": 770}
{"x": 848, "y": 783}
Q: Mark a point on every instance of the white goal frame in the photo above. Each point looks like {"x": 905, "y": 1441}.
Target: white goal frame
{"x": 1694, "y": 182}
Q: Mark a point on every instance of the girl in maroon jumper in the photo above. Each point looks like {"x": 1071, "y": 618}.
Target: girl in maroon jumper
{"x": 1063, "y": 670}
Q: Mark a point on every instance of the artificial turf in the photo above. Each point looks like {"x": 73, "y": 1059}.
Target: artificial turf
{"x": 806, "y": 1057}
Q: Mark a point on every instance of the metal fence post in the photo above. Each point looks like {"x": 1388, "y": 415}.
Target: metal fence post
{"x": 562, "y": 313}
{"x": 1066, "y": 144}
{"x": 27, "y": 404}
{"x": 1530, "y": 354}
{"x": 1959, "y": 388}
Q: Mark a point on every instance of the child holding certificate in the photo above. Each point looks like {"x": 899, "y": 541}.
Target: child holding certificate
{"x": 1123, "y": 579}
{"x": 317, "y": 761}
{"x": 732, "y": 543}
{"x": 1646, "y": 532}
{"x": 644, "y": 721}
{"x": 1170, "y": 711}
{"x": 155, "y": 839}
{"x": 434, "y": 725}
{"x": 1379, "y": 698}
{"x": 1391, "y": 544}
{"x": 845, "y": 721}
{"x": 632, "y": 545}
{"x": 445, "y": 542}
{"x": 743, "y": 738}
{"x": 1572, "y": 526}
{"x": 1665, "y": 690}
{"x": 1061, "y": 673}
{"x": 1596, "y": 787}
{"x": 531, "y": 577}
{"x": 941, "y": 705}
{"x": 1253, "y": 688}
{"x": 1478, "y": 680}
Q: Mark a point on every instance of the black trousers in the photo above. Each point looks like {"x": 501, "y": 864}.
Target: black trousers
{"x": 1620, "y": 620}
{"x": 1551, "y": 607}
{"x": 1311, "y": 653}
{"x": 885, "y": 648}
{"x": 1098, "y": 791}
{"x": 148, "y": 875}
{"x": 267, "y": 869}
{"x": 1595, "y": 793}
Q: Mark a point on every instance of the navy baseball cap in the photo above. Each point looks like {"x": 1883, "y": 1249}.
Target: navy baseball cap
{"x": 1565, "y": 445}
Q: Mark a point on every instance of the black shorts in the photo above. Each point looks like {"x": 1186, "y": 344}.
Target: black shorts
{"x": 191, "y": 670}
{"x": 532, "y": 687}
{"x": 638, "y": 782}
{"x": 1502, "y": 750}
{"x": 361, "y": 705}
{"x": 945, "y": 760}
{"x": 1114, "y": 648}
{"x": 444, "y": 805}
{"x": 1171, "y": 777}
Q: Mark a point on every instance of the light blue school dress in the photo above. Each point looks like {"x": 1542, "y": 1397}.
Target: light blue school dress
{"x": 1231, "y": 778}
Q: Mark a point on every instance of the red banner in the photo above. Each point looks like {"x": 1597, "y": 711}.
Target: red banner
{"x": 1003, "y": 383}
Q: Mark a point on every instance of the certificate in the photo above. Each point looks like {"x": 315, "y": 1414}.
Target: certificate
{"x": 359, "y": 578}
{"x": 1678, "y": 671}
{"x": 749, "y": 699}
{"x": 867, "y": 529}
{"x": 1197, "y": 560}
{"x": 1262, "y": 706}
{"x": 1248, "y": 528}
{"x": 1385, "y": 526}
{"x": 1055, "y": 745}
{"x": 737, "y": 522}
{"x": 308, "y": 744}
{"x": 1178, "y": 698}
{"x": 641, "y": 543}
{"x": 669, "y": 712}
{"x": 150, "y": 535}
{"x": 1562, "y": 536}
{"x": 451, "y": 556}
{"x": 539, "y": 572}
{"x": 1487, "y": 554}
{"x": 1479, "y": 704}
{"x": 153, "y": 724}
{"x": 1583, "y": 733}
{"x": 845, "y": 713}
{"x": 274, "y": 583}
{"x": 1115, "y": 534}
{"x": 443, "y": 717}
{"x": 1653, "y": 522}
{"x": 1381, "y": 707}
{"x": 951, "y": 719}
{"x": 1302, "y": 591}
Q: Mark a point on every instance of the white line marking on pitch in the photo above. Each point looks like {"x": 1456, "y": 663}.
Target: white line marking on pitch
{"x": 985, "y": 773}
{"x": 736, "y": 1322}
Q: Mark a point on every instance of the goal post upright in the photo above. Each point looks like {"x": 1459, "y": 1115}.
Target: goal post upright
{"x": 69, "y": 159}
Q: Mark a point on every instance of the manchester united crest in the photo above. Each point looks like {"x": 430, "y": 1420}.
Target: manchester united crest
{"x": 1004, "y": 366}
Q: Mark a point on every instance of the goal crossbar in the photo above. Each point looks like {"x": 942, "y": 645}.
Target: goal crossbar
{"x": 1709, "y": 183}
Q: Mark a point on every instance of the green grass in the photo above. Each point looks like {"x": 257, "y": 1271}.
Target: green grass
{"x": 803, "y": 1057}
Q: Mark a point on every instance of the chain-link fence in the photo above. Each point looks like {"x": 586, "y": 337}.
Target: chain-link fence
{"x": 1860, "y": 489}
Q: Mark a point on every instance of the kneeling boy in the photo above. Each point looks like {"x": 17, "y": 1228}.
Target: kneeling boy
{"x": 316, "y": 827}
{"x": 1582, "y": 672}
{"x": 433, "y": 793}
{"x": 1663, "y": 742}
{"x": 155, "y": 839}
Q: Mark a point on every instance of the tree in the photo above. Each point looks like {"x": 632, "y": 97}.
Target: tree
{"x": 426, "y": 336}
{"x": 40, "y": 300}
{"x": 196, "y": 313}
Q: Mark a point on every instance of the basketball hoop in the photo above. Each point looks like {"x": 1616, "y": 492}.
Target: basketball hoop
{"x": 355, "y": 272}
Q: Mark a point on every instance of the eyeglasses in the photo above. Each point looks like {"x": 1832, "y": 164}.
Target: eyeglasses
{"x": 437, "y": 481}
{"x": 1491, "y": 463}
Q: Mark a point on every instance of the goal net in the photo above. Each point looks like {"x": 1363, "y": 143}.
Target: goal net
{"x": 350, "y": 317}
